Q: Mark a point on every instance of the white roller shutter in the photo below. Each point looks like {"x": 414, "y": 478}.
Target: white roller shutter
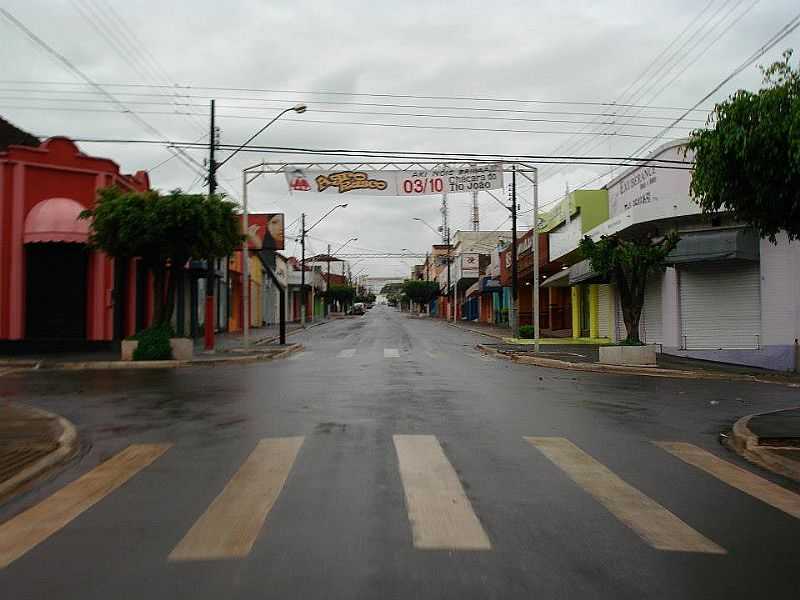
{"x": 603, "y": 305}
{"x": 651, "y": 330}
{"x": 720, "y": 305}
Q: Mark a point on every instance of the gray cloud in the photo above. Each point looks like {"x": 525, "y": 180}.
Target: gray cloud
{"x": 528, "y": 50}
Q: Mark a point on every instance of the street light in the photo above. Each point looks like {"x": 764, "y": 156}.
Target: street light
{"x": 328, "y": 280}
{"x": 428, "y": 225}
{"x": 299, "y": 109}
{"x": 303, "y": 233}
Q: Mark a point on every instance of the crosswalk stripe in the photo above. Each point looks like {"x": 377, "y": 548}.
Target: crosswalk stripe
{"x": 655, "y": 524}
{"x": 440, "y": 514}
{"x": 347, "y": 353}
{"x": 735, "y": 476}
{"x": 391, "y": 353}
{"x": 230, "y": 525}
{"x": 30, "y": 528}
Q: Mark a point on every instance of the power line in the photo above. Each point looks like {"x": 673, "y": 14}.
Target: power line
{"x": 368, "y": 156}
{"x": 364, "y": 94}
{"x": 788, "y": 28}
{"x": 350, "y": 112}
{"x": 329, "y": 122}
{"x": 185, "y": 158}
{"x": 367, "y": 104}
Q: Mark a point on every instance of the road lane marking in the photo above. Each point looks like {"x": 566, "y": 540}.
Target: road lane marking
{"x": 735, "y": 476}
{"x": 30, "y": 528}
{"x": 440, "y": 514}
{"x": 391, "y": 353}
{"x": 347, "y": 353}
{"x": 230, "y": 525}
{"x": 299, "y": 355}
{"x": 655, "y": 524}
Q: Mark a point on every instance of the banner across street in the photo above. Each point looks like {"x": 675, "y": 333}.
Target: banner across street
{"x": 396, "y": 183}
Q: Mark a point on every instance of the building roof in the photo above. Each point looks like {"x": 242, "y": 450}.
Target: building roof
{"x": 12, "y": 135}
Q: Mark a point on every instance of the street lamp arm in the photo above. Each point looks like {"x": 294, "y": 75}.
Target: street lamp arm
{"x": 325, "y": 215}
{"x": 300, "y": 108}
{"x": 428, "y": 225}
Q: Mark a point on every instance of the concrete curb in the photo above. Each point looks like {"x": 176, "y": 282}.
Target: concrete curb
{"x": 293, "y": 331}
{"x": 745, "y": 443}
{"x": 167, "y": 364}
{"x": 478, "y": 331}
{"x": 67, "y": 448}
{"x": 553, "y": 363}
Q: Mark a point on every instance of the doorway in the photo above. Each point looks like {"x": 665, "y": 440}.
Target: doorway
{"x": 55, "y": 291}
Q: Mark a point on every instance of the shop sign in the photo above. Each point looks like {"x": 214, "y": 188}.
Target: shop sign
{"x": 396, "y": 183}
{"x": 470, "y": 265}
{"x": 265, "y": 231}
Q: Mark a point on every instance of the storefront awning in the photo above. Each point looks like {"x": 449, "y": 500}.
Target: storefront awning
{"x": 718, "y": 244}
{"x": 489, "y": 284}
{"x": 560, "y": 279}
{"x": 581, "y": 272}
{"x": 56, "y": 220}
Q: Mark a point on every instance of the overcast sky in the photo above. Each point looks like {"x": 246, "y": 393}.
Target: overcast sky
{"x": 647, "y": 53}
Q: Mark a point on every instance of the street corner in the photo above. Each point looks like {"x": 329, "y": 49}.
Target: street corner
{"x": 770, "y": 440}
{"x": 32, "y": 443}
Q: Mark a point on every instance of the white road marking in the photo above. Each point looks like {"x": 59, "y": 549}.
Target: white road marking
{"x": 228, "y": 529}
{"x": 30, "y": 528}
{"x": 347, "y": 353}
{"x": 440, "y": 514}
{"x": 391, "y": 353}
{"x": 300, "y": 355}
{"x": 655, "y": 524}
{"x": 736, "y": 477}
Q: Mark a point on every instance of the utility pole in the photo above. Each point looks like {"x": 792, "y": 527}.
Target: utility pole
{"x": 536, "y": 261}
{"x": 303, "y": 270}
{"x": 446, "y": 240}
{"x": 514, "y": 271}
{"x": 328, "y": 281}
{"x": 211, "y": 273}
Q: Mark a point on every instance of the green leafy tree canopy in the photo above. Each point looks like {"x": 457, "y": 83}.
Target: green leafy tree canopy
{"x": 342, "y": 294}
{"x": 165, "y": 231}
{"x": 749, "y": 163}
{"x": 419, "y": 291}
{"x": 627, "y": 263}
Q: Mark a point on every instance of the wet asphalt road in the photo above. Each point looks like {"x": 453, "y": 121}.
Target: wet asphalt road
{"x": 340, "y": 527}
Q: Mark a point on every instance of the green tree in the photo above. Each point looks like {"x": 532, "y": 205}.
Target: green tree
{"x": 627, "y": 263}
{"x": 749, "y": 162}
{"x": 419, "y": 291}
{"x": 165, "y": 231}
{"x": 341, "y": 294}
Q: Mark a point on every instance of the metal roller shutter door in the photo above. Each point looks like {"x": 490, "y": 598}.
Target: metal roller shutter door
{"x": 651, "y": 330}
{"x": 603, "y": 305}
{"x": 720, "y": 305}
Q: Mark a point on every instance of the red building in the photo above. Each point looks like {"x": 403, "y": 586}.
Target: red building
{"x": 52, "y": 287}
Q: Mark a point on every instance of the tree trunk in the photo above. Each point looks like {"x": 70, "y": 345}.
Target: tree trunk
{"x": 630, "y": 284}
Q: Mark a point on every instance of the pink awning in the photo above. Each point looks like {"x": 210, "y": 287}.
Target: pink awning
{"x": 56, "y": 220}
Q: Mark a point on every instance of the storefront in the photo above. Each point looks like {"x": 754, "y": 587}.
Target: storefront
{"x": 52, "y": 286}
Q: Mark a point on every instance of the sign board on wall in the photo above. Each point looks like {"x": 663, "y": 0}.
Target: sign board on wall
{"x": 397, "y": 183}
{"x": 651, "y": 185}
{"x": 470, "y": 265}
{"x": 648, "y": 194}
{"x": 265, "y": 231}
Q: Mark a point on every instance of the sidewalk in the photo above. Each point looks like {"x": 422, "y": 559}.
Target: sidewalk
{"x": 31, "y": 442}
{"x": 581, "y": 356}
{"x": 771, "y": 440}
